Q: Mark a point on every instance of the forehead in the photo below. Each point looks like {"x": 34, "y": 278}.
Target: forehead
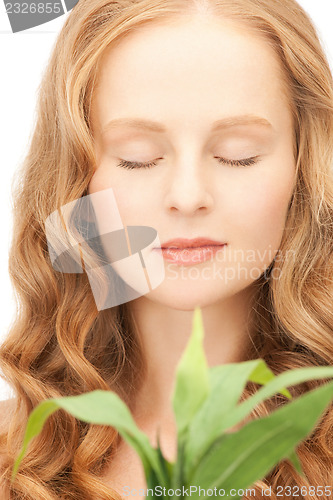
{"x": 183, "y": 71}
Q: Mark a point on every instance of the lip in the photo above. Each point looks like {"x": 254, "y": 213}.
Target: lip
{"x": 182, "y": 243}
{"x": 187, "y": 252}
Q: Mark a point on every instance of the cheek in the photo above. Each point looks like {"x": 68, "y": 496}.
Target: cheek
{"x": 269, "y": 208}
{"x": 130, "y": 202}
{"x": 261, "y": 214}
{"x": 100, "y": 180}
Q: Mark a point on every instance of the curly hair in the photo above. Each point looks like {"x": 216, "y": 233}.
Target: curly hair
{"x": 59, "y": 344}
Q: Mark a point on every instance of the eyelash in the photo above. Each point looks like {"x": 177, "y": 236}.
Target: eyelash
{"x": 246, "y": 162}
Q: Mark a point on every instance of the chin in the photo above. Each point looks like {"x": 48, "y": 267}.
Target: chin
{"x": 184, "y": 300}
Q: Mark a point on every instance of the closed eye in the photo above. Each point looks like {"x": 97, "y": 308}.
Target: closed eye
{"x": 245, "y": 162}
{"x": 135, "y": 164}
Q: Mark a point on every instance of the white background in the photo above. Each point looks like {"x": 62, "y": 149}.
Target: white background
{"x": 23, "y": 58}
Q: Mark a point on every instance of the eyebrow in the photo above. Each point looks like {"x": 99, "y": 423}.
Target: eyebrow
{"x": 223, "y": 124}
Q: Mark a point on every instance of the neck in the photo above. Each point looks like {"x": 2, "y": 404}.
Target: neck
{"x": 164, "y": 333}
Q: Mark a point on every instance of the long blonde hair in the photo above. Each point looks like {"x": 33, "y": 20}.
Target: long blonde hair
{"x": 60, "y": 344}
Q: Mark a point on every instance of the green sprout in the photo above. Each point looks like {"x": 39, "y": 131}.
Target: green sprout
{"x": 206, "y": 404}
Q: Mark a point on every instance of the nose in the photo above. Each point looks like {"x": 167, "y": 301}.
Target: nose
{"x": 189, "y": 188}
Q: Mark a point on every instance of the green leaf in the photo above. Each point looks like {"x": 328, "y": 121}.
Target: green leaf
{"x": 262, "y": 374}
{"x": 227, "y": 385}
{"x": 214, "y": 418}
{"x": 192, "y": 378}
{"x": 152, "y": 479}
{"x": 239, "y": 459}
{"x": 293, "y": 457}
{"x": 35, "y": 424}
{"x": 178, "y": 479}
{"x": 96, "y": 407}
{"x": 166, "y": 466}
{"x": 286, "y": 379}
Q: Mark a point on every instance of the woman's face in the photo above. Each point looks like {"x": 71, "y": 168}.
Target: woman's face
{"x": 188, "y": 94}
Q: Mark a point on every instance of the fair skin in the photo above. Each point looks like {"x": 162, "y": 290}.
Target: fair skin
{"x": 186, "y": 76}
